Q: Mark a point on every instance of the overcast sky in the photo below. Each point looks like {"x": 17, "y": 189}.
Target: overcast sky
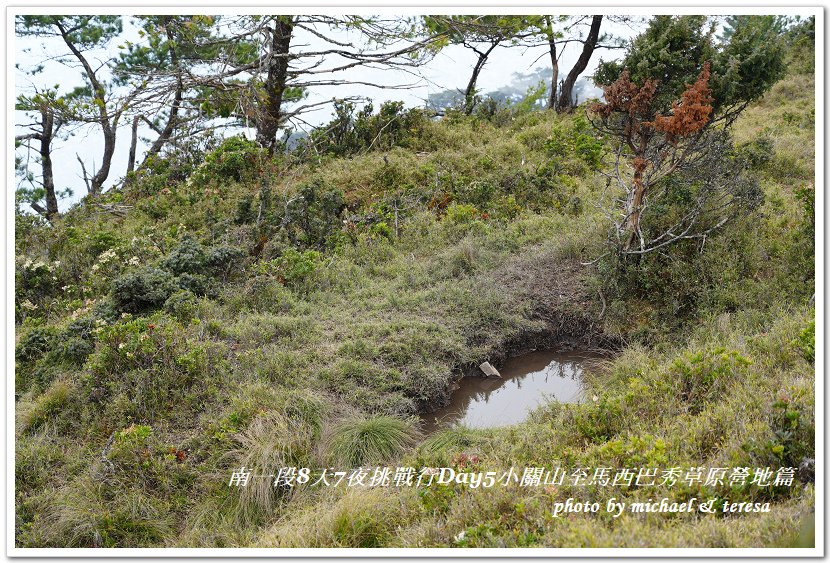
{"x": 451, "y": 68}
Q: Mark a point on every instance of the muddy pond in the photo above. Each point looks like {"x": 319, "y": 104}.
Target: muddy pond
{"x": 527, "y": 381}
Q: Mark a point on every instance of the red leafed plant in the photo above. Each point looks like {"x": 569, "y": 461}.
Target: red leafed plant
{"x": 655, "y": 145}
{"x": 691, "y": 114}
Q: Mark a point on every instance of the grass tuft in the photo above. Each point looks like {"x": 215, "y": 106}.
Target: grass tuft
{"x": 370, "y": 440}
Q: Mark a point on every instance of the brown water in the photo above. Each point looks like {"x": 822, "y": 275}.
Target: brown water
{"x": 527, "y": 381}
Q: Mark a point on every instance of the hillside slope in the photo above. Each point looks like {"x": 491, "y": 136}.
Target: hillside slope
{"x": 246, "y": 311}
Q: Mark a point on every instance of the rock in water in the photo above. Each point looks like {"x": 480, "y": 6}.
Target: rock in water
{"x": 489, "y": 370}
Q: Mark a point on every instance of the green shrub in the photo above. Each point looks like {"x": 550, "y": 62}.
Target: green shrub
{"x": 83, "y": 327}
{"x": 34, "y": 344}
{"x": 305, "y": 218}
{"x": 755, "y": 153}
{"x": 793, "y": 435}
{"x": 130, "y": 446}
{"x": 461, "y": 213}
{"x": 437, "y": 499}
{"x": 76, "y": 350}
{"x": 506, "y": 207}
{"x": 161, "y": 174}
{"x": 634, "y": 451}
{"x": 314, "y": 215}
{"x": 575, "y": 143}
{"x": 188, "y": 257}
{"x": 198, "y": 284}
{"x": 601, "y": 420}
{"x": 197, "y": 267}
{"x": 297, "y": 269}
{"x": 801, "y": 254}
{"x": 142, "y": 290}
{"x": 182, "y": 305}
{"x": 154, "y": 367}
{"x": 806, "y": 342}
{"x": 35, "y": 283}
{"x": 222, "y": 260}
{"x": 101, "y": 241}
{"x": 349, "y": 132}
{"x": 381, "y": 230}
{"x": 702, "y": 376}
{"x": 235, "y": 159}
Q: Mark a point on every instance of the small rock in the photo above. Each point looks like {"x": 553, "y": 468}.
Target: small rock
{"x": 489, "y": 370}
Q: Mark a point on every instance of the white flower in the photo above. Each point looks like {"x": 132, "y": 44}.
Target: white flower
{"x": 95, "y": 267}
{"x": 460, "y": 536}
{"x": 134, "y": 261}
{"x": 28, "y": 305}
{"x": 106, "y": 255}
{"x": 120, "y": 346}
{"x": 595, "y": 398}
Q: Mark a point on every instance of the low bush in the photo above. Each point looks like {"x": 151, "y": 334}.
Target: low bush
{"x": 353, "y": 131}
{"x": 142, "y": 290}
{"x": 236, "y": 159}
{"x": 188, "y": 257}
{"x": 182, "y": 305}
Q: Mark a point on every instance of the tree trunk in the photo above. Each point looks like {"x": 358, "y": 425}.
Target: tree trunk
{"x": 554, "y": 63}
{"x": 133, "y": 146}
{"x": 270, "y": 112}
{"x": 565, "y": 102}
{"x": 169, "y": 127}
{"x": 636, "y": 203}
{"x": 97, "y": 183}
{"x": 47, "y": 133}
{"x": 108, "y": 124}
{"x": 470, "y": 92}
